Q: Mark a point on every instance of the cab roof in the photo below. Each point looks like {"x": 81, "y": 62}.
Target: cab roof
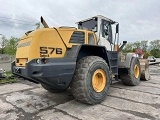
{"x": 98, "y": 16}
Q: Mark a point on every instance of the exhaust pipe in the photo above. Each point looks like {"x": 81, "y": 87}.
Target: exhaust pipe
{"x": 44, "y": 23}
{"x": 145, "y": 74}
{"x": 124, "y": 43}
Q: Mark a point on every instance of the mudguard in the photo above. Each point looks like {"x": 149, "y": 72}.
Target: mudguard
{"x": 124, "y": 59}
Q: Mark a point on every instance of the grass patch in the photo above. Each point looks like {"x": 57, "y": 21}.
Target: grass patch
{"x": 9, "y": 73}
{"x": 8, "y": 78}
{"x": 5, "y": 80}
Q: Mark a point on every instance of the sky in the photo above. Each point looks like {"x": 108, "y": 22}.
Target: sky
{"x": 138, "y": 19}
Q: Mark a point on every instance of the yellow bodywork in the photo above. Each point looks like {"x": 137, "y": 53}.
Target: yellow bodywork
{"x": 31, "y": 44}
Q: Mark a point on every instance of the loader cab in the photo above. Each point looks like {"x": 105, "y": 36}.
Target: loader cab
{"x": 102, "y": 27}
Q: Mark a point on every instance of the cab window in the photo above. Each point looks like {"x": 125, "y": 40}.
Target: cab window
{"x": 91, "y": 40}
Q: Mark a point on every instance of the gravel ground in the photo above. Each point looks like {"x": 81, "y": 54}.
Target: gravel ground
{"x": 25, "y": 101}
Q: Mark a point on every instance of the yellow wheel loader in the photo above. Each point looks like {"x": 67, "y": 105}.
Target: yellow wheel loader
{"x": 86, "y": 59}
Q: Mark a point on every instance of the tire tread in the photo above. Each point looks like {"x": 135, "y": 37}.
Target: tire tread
{"x": 77, "y": 84}
{"x": 129, "y": 79}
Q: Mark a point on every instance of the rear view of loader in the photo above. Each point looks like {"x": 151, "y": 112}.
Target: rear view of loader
{"x": 86, "y": 59}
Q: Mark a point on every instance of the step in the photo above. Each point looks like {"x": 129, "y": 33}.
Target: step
{"x": 114, "y": 66}
{"x": 113, "y": 58}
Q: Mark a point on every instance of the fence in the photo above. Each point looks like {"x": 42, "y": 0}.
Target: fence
{"x": 5, "y": 62}
{"x": 6, "y": 58}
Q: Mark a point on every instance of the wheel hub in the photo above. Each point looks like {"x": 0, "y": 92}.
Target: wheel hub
{"x": 136, "y": 71}
{"x": 99, "y": 80}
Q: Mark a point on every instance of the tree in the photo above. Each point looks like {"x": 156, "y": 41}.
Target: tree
{"x": 3, "y": 43}
{"x": 128, "y": 48}
{"x": 132, "y": 47}
{"x": 146, "y": 54}
{"x": 11, "y": 46}
{"x": 155, "y": 44}
{"x": 38, "y": 25}
{"x": 137, "y": 45}
{"x": 155, "y": 53}
{"x": 144, "y": 45}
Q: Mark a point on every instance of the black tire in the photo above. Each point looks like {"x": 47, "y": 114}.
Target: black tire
{"x": 51, "y": 89}
{"x": 132, "y": 79}
{"x": 82, "y": 83}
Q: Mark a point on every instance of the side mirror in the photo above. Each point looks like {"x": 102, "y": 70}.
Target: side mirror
{"x": 117, "y": 28}
{"x": 124, "y": 42}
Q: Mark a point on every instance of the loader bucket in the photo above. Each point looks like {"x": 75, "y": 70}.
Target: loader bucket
{"x": 145, "y": 74}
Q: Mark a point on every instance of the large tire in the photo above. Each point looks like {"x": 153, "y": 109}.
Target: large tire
{"x": 134, "y": 73}
{"x": 145, "y": 73}
{"x": 91, "y": 80}
{"x": 51, "y": 89}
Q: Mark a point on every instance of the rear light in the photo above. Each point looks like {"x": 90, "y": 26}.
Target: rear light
{"x": 37, "y": 61}
{"x": 44, "y": 60}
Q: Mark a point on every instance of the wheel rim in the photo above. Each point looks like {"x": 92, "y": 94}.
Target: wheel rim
{"x": 99, "y": 80}
{"x": 136, "y": 71}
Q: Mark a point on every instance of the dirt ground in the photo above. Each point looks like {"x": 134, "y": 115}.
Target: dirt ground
{"x": 24, "y": 101}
